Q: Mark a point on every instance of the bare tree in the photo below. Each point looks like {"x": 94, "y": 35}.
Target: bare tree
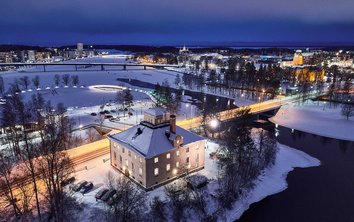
{"x": 129, "y": 200}
{"x": 56, "y": 79}
{"x": 75, "y": 80}
{"x": 25, "y": 82}
{"x": 347, "y": 110}
{"x": 66, "y": 79}
{"x": 36, "y": 81}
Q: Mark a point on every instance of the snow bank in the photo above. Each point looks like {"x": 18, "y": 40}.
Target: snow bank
{"x": 317, "y": 119}
{"x": 273, "y": 180}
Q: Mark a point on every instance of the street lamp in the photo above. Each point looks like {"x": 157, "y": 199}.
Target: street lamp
{"x": 214, "y": 123}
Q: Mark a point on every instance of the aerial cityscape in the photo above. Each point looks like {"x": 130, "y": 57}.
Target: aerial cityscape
{"x": 177, "y": 111}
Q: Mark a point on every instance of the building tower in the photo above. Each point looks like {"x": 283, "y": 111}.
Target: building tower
{"x": 298, "y": 60}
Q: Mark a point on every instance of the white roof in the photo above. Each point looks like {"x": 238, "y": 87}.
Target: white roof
{"x": 152, "y": 141}
{"x": 157, "y": 111}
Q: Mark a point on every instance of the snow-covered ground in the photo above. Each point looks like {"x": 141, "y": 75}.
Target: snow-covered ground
{"x": 316, "y": 118}
{"x": 272, "y": 181}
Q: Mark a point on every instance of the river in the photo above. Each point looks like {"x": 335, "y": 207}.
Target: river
{"x": 324, "y": 193}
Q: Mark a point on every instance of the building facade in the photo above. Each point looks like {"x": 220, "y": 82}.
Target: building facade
{"x": 156, "y": 151}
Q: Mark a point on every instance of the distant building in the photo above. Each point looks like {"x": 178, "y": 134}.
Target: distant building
{"x": 156, "y": 151}
{"x": 308, "y": 73}
{"x": 31, "y": 55}
{"x": 184, "y": 50}
{"x": 80, "y": 47}
{"x": 298, "y": 58}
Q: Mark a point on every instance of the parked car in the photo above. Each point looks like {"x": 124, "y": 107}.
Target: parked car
{"x": 100, "y": 193}
{"x": 67, "y": 181}
{"x": 108, "y": 116}
{"x": 102, "y": 112}
{"x": 93, "y": 114}
{"x": 88, "y": 186}
{"x": 113, "y": 111}
{"x": 108, "y": 195}
{"x": 106, "y": 112}
{"x": 79, "y": 185}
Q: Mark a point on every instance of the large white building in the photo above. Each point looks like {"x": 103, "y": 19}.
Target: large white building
{"x": 156, "y": 151}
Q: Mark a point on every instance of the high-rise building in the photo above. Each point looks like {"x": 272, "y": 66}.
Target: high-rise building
{"x": 80, "y": 47}
{"x": 31, "y": 55}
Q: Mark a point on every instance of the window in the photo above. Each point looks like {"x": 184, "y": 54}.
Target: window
{"x": 156, "y": 160}
{"x": 132, "y": 166}
{"x": 168, "y": 167}
{"x": 140, "y": 171}
{"x": 197, "y": 157}
{"x": 120, "y": 158}
{"x": 177, "y": 152}
{"x": 187, "y": 160}
{"x": 115, "y": 155}
{"x": 129, "y": 153}
{"x": 197, "y": 146}
{"x": 156, "y": 171}
{"x": 135, "y": 156}
{"x": 177, "y": 164}
{"x": 126, "y": 162}
{"x": 168, "y": 156}
{"x": 140, "y": 160}
{"x": 187, "y": 150}
{"x": 123, "y": 149}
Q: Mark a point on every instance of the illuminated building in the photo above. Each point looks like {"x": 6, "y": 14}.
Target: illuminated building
{"x": 156, "y": 151}
{"x": 298, "y": 58}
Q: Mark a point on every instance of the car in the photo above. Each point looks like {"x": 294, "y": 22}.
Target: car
{"x": 93, "y": 114}
{"x": 88, "y": 186}
{"x": 100, "y": 193}
{"x": 79, "y": 185}
{"x": 108, "y": 116}
{"x": 108, "y": 194}
{"x": 106, "y": 111}
{"x": 102, "y": 112}
{"x": 67, "y": 181}
{"x": 112, "y": 111}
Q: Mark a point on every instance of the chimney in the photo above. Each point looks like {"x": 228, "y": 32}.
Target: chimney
{"x": 173, "y": 124}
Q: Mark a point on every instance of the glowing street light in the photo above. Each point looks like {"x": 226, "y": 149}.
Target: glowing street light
{"x": 214, "y": 123}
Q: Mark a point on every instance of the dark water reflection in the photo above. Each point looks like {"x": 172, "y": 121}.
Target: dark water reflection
{"x": 324, "y": 193}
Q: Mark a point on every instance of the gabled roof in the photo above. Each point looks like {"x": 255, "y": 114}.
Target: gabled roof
{"x": 152, "y": 141}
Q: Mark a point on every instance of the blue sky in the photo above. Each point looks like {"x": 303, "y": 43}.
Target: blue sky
{"x": 175, "y": 22}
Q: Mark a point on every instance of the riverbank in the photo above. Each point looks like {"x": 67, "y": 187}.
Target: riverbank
{"x": 316, "y": 118}
{"x": 273, "y": 180}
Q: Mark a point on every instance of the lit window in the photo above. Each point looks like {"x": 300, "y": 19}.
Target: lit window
{"x": 140, "y": 160}
{"x": 177, "y": 164}
{"x": 140, "y": 171}
{"x": 168, "y": 156}
{"x": 126, "y": 162}
{"x": 156, "y": 171}
{"x": 168, "y": 167}
{"x": 135, "y": 156}
{"x": 177, "y": 152}
{"x": 156, "y": 160}
{"x": 187, "y": 149}
{"x": 197, "y": 146}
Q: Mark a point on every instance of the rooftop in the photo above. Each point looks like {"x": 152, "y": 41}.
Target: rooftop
{"x": 152, "y": 141}
{"x": 157, "y": 111}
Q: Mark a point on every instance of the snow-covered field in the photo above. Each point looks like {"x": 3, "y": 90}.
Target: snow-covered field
{"x": 316, "y": 118}
{"x": 272, "y": 181}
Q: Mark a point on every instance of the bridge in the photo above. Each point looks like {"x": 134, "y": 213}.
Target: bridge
{"x": 77, "y": 65}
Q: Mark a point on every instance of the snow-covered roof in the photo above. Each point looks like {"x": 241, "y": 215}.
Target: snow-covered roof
{"x": 157, "y": 111}
{"x": 153, "y": 140}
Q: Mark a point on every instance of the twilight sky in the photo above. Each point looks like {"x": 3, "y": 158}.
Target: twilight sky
{"x": 168, "y": 22}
